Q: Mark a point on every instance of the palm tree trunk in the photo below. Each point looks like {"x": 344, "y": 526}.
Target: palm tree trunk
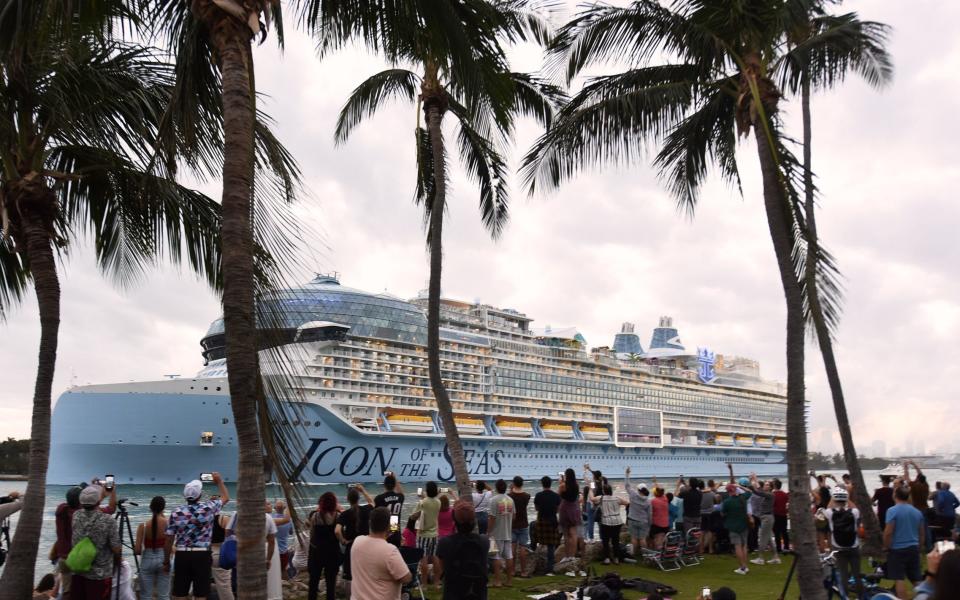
{"x": 872, "y": 545}
{"x": 236, "y": 65}
{"x": 434, "y": 107}
{"x": 803, "y": 534}
{"x": 18, "y": 573}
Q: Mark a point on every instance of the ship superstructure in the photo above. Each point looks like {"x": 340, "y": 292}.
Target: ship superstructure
{"x": 527, "y": 400}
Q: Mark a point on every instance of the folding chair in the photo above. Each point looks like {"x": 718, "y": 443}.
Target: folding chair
{"x": 669, "y": 552}
{"x": 412, "y": 557}
{"x": 690, "y": 554}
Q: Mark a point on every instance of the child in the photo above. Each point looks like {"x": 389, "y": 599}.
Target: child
{"x": 410, "y": 533}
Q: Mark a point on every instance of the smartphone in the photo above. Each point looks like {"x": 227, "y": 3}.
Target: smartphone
{"x": 444, "y": 490}
{"x": 350, "y": 486}
{"x": 944, "y": 546}
{"x": 419, "y": 491}
{"x": 108, "y": 482}
{"x": 705, "y": 593}
{"x": 593, "y": 485}
{"x": 386, "y": 473}
{"x": 206, "y": 476}
{"x": 560, "y": 475}
{"x": 394, "y": 523}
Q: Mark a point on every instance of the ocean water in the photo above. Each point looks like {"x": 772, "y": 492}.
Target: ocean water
{"x": 142, "y": 494}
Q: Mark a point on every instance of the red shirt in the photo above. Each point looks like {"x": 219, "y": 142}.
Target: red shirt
{"x": 445, "y": 525}
{"x": 780, "y": 500}
{"x": 660, "y": 509}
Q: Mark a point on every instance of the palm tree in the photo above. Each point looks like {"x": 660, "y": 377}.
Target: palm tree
{"x": 79, "y": 113}
{"x": 824, "y": 48}
{"x": 212, "y": 44}
{"x": 462, "y": 71}
{"x": 717, "y": 86}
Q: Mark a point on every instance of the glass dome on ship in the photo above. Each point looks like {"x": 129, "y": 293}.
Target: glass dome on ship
{"x": 527, "y": 401}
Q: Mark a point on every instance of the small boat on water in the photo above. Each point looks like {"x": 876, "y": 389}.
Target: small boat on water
{"x": 892, "y": 470}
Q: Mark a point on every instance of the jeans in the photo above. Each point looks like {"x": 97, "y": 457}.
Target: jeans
{"x": 848, "y": 563}
{"x": 610, "y": 534}
{"x": 152, "y": 577}
{"x": 551, "y": 553}
{"x": 591, "y": 519}
{"x": 482, "y": 523}
{"x": 780, "y": 533}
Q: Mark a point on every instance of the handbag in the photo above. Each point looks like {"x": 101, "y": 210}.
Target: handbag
{"x": 228, "y": 553}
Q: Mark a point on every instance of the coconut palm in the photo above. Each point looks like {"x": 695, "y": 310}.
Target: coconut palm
{"x": 716, "y": 85}
{"x": 79, "y": 115}
{"x": 824, "y": 48}
{"x": 211, "y": 41}
{"x": 461, "y": 70}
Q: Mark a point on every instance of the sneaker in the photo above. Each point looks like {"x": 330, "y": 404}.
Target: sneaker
{"x": 774, "y": 561}
{"x": 741, "y": 571}
{"x": 758, "y": 561}
{"x": 551, "y": 574}
{"x": 583, "y": 573}
{"x": 629, "y": 560}
{"x": 570, "y": 574}
{"x": 606, "y": 561}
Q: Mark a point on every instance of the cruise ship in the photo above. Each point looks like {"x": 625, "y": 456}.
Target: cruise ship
{"x": 528, "y": 401}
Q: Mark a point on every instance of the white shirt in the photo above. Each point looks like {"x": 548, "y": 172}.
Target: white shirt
{"x": 828, "y": 513}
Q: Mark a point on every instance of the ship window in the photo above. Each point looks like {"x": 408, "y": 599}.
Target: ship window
{"x": 206, "y": 438}
{"x": 224, "y": 420}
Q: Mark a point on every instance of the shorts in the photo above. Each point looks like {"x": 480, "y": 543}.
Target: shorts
{"x": 521, "y": 536}
{"x": 638, "y": 530}
{"x": 738, "y": 538}
{"x": 191, "y": 568}
{"x": 904, "y": 563}
{"x": 428, "y": 545}
{"x": 81, "y": 587}
{"x": 504, "y": 550}
{"x": 657, "y": 530}
{"x": 690, "y": 523}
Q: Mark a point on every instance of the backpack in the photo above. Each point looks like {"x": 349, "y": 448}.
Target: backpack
{"x": 81, "y": 556}
{"x": 844, "y": 528}
{"x": 469, "y": 563}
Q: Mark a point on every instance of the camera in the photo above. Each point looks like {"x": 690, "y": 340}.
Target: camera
{"x": 108, "y": 482}
{"x": 206, "y": 476}
{"x": 419, "y": 491}
{"x": 444, "y": 490}
{"x": 705, "y": 593}
{"x": 944, "y": 546}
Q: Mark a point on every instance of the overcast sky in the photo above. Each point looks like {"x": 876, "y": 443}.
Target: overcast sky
{"x": 608, "y": 247}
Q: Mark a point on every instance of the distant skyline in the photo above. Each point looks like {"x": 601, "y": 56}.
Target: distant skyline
{"x": 606, "y": 248}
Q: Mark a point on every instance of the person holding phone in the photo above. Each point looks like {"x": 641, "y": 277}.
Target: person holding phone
{"x": 190, "y": 532}
{"x": 392, "y": 500}
{"x": 151, "y": 537}
{"x": 942, "y": 577}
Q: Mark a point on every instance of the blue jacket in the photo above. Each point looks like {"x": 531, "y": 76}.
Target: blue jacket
{"x": 946, "y": 503}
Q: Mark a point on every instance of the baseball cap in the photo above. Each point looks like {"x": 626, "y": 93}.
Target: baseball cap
{"x": 463, "y": 512}
{"x": 192, "y": 490}
{"x": 744, "y": 481}
{"x": 91, "y": 495}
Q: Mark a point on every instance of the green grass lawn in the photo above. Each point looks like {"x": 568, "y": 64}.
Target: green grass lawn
{"x": 763, "y": 582}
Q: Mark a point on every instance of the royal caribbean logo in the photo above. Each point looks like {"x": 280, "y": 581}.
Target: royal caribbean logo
{"x": 707, "y": 359}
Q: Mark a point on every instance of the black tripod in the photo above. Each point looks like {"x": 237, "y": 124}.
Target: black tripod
{"x": 123, "y": 522}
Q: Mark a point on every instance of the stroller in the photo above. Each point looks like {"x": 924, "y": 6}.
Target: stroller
{"x": 412, "y": 557}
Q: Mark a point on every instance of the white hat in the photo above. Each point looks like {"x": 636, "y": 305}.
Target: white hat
{"x": 91, "y": 495}
{"x": 192, "y": 490}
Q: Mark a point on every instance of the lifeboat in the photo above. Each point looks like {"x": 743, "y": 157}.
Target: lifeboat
{"x": 595, "y": 432}
{"x": 412, "y": 423}
{"x": 557, "y": 430}
{"x": 724, "y": 439}
{"x": 515, "y": 428}
{"x": 469, "y": 426}
{"x": 780, "y": 442}
{"x": 744, "y": 440}
{"x": 765, "y": 442}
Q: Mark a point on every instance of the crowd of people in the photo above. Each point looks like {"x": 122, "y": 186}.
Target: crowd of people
{"x": 465, "y": 544}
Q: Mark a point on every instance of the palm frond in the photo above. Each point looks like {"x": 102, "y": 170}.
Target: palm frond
{"x": 537, "y": 98}
{"x": 837, "y": 45}
{"x": 609, "y": 122}
{"x": 488, "y": 168}
{"x": 14, "y": 274}
{"x": 135, "y": 217}
{"x": 369, "y": 96}
{"x": 703, "y": 138}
